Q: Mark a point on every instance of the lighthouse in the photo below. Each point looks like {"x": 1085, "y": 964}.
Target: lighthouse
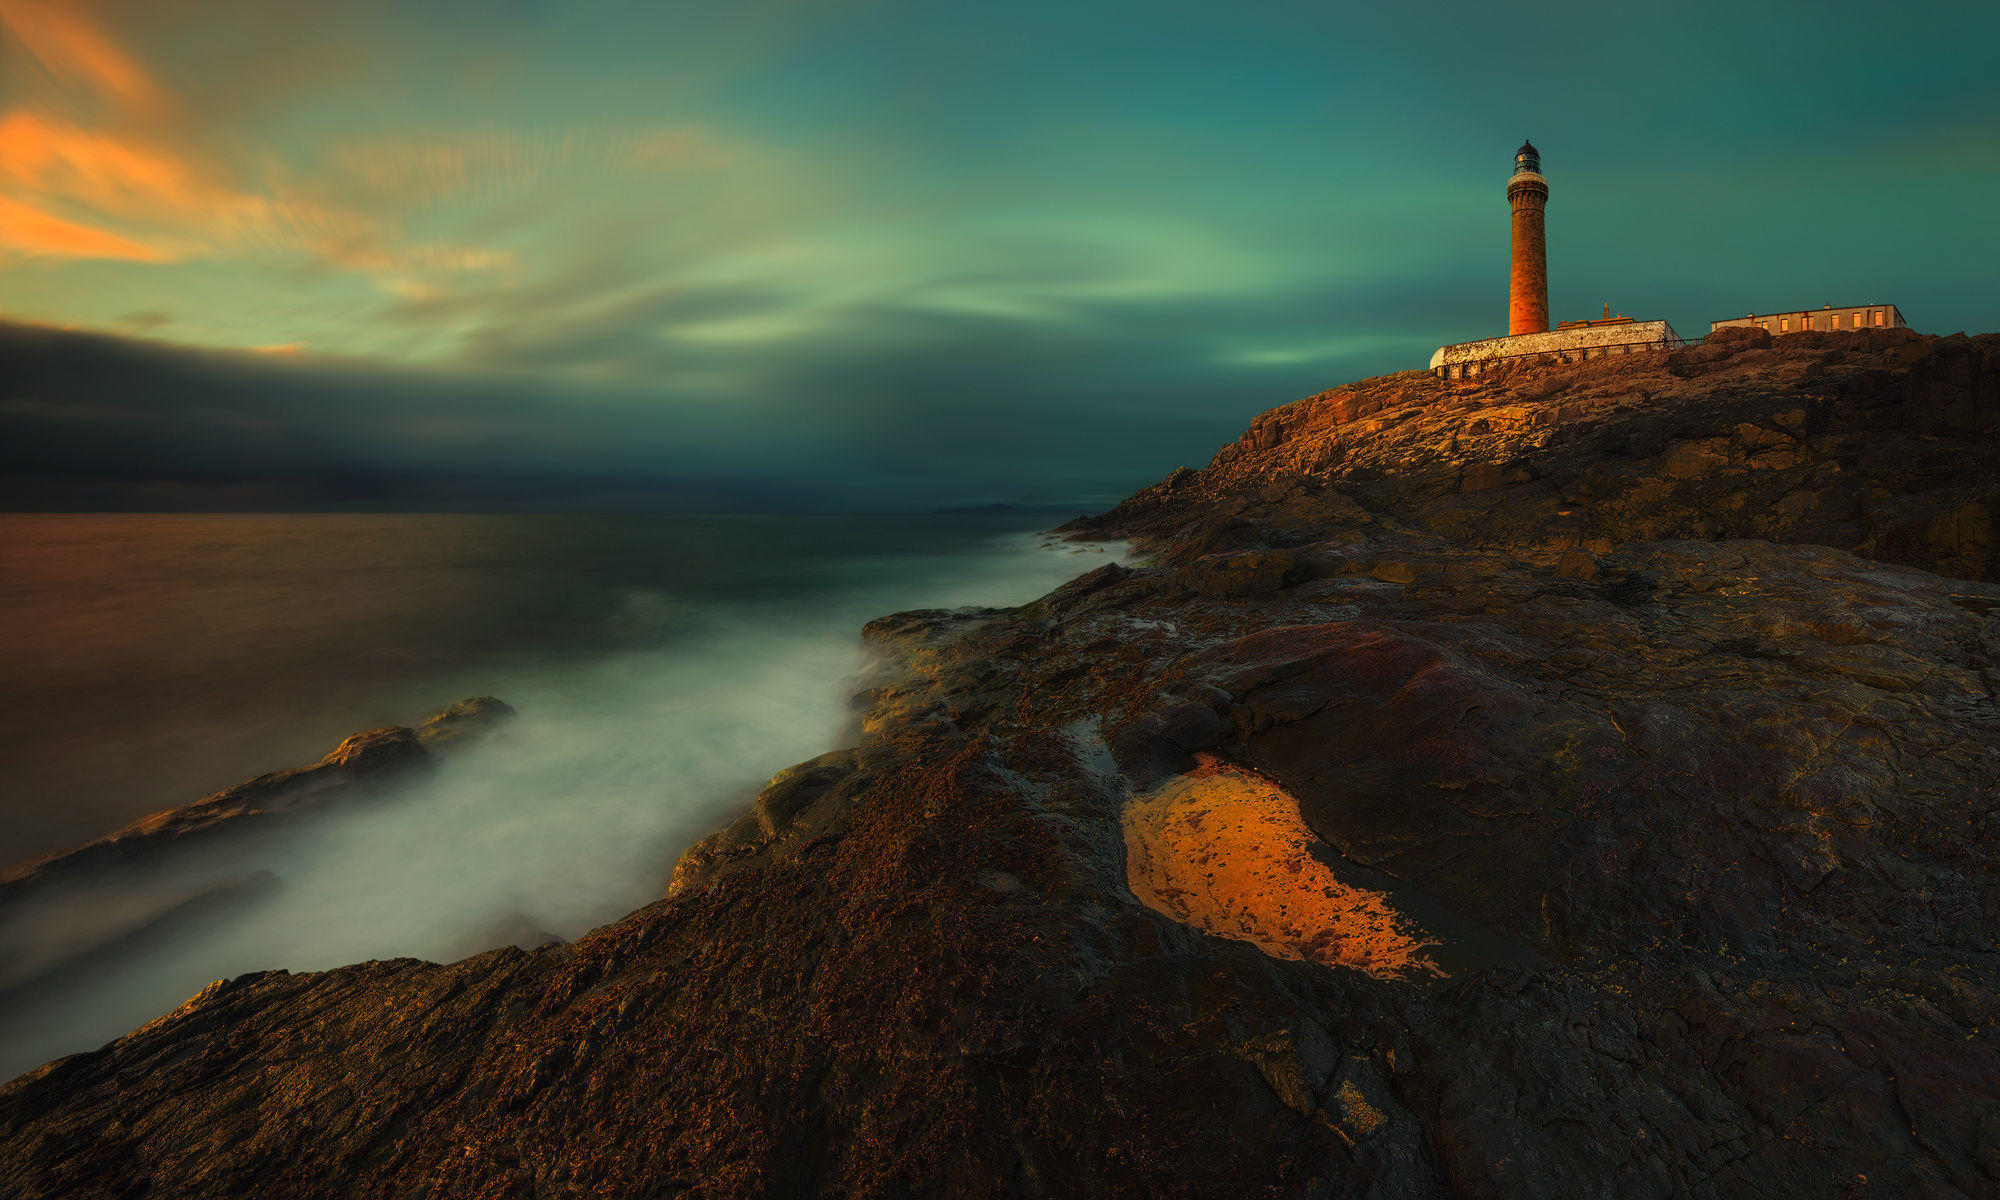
{"x": 1528, "y": 274}
{"x": 1529, "y": 341}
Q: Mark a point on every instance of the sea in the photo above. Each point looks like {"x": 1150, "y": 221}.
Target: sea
{"x": 662, "y": 667}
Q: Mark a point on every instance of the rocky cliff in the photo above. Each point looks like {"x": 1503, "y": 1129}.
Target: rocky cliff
{"x": 1576, "y": 783}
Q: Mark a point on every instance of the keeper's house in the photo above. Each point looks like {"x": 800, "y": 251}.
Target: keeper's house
{"x": 1825, "y": 319}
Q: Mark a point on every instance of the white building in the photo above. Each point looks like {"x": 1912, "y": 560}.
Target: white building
{"x": 1580, "y": 341}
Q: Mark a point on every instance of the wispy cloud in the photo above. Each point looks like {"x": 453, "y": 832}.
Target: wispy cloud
{"x": 434, "y": 170}
{"x": 64, "y": 37}
{"x": 421, "y": 170}
{"x": 122, "y": 177}
{"x": 95, "y": 169}
{"x": 30, "y": 232}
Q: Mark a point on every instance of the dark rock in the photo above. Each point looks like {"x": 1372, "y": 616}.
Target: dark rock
{"x": 362, "y": 765}
{"x": 1162, "y": 739}
{"x": 1244, "y": 573}
{"x": 474, "y": 717}
{"x": 1682, "y": 746}
{"x": 795, "y": 788}
{"x": 1795, "y": 439}
{"x": 1630, "y": 589}
{"x": 377, "y": 750}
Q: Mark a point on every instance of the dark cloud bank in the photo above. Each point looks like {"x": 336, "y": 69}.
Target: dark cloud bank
{"x": 912, "y": 411}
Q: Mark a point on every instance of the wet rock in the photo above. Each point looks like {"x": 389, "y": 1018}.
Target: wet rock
{"x": 792, "y": 790}
{"x": 467, "y": 718}
{"x": 377, "y": 750}
{"x": 362, "y": 765}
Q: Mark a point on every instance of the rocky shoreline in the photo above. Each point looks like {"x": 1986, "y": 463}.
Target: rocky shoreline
{"x": 72, "y": 914}
{"x": 1580, "y": 782}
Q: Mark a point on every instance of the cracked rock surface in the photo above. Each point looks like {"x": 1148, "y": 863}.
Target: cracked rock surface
{"x": 1662, "y": 694}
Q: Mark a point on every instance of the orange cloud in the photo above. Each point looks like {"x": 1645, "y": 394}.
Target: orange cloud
{"x": 193, "y": 204}
{"x": 63, "y": 39}
{"x": 97, "y": 168}
{"x": 125, "y": 170}
{"x": 96, "y": 141}
{"x": 30, "y": 231}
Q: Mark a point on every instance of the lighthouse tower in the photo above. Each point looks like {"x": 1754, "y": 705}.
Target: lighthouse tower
{"x": 1529, "y": 339}
{"x": 1528, "y": 276}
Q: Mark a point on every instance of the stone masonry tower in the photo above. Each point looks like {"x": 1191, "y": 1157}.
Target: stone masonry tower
{"x": 1528, "y": 277}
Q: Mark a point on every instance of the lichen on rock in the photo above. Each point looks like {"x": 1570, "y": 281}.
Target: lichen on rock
{"x": 1224, "y": 850}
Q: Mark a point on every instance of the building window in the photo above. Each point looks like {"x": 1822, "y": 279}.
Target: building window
{"x": 1784, "y": 324}
{"x": 1878, "y": 316}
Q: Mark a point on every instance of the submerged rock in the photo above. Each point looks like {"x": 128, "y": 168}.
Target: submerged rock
{"x": 467, "y": 718}
{"x": 111, "y": 894}
{"x": 370, "y": 757}
{"x": 1653, "y": 701}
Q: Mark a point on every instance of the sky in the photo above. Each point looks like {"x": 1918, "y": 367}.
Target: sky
{"x": 861, "y": 256}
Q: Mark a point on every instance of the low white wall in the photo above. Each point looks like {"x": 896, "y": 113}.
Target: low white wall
{"x": 1555, "y": 342}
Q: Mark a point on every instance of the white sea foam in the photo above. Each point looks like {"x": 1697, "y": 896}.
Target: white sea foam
{"x": 569, "y": 817}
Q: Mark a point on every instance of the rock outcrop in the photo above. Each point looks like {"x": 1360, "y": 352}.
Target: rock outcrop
{"x": 1641, "y": 720}
{"x": 110, "y": 894}
{"x": 366, "y": 760}
{"x": 1878, "y": 442}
